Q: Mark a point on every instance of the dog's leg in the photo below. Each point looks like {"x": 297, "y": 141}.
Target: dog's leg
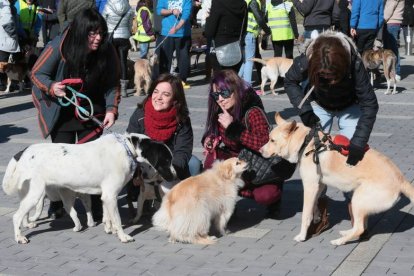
{"x": 86, "y": 200}
{"x": 388, "y": 92}
{"x": 140, "y": 204}
{"x": 105, "y": 220}
{"x": 272, "y": 86}
{"x": 29, "y": 201}
{"x": 205, "y": 240}
{"x": 39, "y": 209}
{"x": 372, "y": 78}
{"x": 113, "y": 213}
{"x": 360, "y": 219}
{"x": 264, "y": 80}
{"x": 68, "y": 198}
{"x": 310, "y": 193}
{"x": 8, "y": 85}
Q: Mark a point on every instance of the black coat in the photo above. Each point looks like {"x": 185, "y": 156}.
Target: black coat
{"x": 362, "y": 93}
{"x": 316, "y": 13}
{"x": 408, "y": 16}
{"x": 224, "y": 23}
{"x": 181, "y": 143}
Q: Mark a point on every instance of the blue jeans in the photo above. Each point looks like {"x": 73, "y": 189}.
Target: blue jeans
{"x": 246, "y": 69}
{"x": 194, "y": 165}
{"x": 390, "y": 42}
{"x": 143, "y": 49}
{"x": 347, "y": 122}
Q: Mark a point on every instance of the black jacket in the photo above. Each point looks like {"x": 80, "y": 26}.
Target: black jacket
{"x": 316, "y": 13}
{"x": 181, "y": 143}
{"x": 408, "y": 16}
{"x": 224, "y": 23}
{"x": 259, "y": 16}
{"x": 361, "y": 92}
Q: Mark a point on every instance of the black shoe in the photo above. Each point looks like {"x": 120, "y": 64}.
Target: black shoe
{"x": 56, "y": 210}
{"x": 274, "y": 209}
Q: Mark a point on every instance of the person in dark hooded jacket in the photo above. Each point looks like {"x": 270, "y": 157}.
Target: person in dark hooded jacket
{"x": 224, "y": 25}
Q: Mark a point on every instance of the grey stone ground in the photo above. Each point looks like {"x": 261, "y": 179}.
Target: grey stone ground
{"x": 254, "y": 246}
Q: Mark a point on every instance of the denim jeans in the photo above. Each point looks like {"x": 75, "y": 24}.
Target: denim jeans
{"x": 194, "y": 165}
{"x": 143, "y": 49}
{"x": 246, "y": 69}
{"x": 390, "y": 42}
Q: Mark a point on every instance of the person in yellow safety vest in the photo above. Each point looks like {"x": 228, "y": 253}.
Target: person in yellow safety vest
{"x": 255, "y": 22}
{"x": 282, "y": 21}
{"x": 29, "y": 22}
{"x": 145, "y": 32}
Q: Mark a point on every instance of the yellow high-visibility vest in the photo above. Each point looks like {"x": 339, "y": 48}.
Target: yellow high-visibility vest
{"x": 141, "y": 35}
{"x": 252, "y": 26}
{"x": 278, "y": 21}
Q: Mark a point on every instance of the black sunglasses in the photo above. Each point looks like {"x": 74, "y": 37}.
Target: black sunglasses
{"x": 225, "y": 93}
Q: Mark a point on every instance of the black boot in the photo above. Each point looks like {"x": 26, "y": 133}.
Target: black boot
{"x": 56, "y": 210}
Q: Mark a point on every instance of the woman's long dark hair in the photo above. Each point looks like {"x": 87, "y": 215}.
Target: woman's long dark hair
{"x": 81, "y": 62}
{"x": 178, "y": 95}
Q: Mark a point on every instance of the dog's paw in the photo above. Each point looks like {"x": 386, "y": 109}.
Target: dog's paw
{"x": 345, "y": 232}
{"x": 339, "y": 241}
{"x": 125, "y": 238}
{"x": 300, "y": 238}
{"x": 31, "y": 225}
{"x": 107, "y": 228}
{"x": 77, "y": 228}
{"x": 21, "y": 239}
{"x": 91, "y": 223}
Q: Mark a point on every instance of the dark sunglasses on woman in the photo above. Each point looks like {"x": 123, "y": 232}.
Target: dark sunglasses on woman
{"x": 225, "y": 94}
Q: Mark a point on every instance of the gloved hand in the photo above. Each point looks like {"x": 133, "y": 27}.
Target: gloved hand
{"x": 309, "y": 118}
{"x": 355, "y": 155}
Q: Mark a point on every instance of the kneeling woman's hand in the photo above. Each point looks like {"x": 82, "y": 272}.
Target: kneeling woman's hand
{"x": 109, "y": 119}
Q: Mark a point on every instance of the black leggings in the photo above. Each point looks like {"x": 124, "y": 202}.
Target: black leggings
{"x": 122, "y": 47}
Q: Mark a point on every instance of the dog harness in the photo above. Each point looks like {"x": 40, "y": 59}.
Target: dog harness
{"x": 132, "y": 155}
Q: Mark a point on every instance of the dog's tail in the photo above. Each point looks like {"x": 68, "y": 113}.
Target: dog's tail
{"x": 262, "y": 61}
{"x": 408, "y": 190}
{"x": 161, "y": 219}
{"x": 10, "y": 186}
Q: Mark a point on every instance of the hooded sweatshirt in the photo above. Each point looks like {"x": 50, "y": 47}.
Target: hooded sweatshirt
{"x": 225, "y": 22}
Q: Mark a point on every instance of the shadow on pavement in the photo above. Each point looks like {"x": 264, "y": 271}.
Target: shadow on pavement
{"x": 8, "y": 130}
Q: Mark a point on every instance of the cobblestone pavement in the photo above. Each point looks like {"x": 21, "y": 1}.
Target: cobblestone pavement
{"x": 254, "y": 245}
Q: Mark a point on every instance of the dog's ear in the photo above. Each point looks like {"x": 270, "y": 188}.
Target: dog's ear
{"x": 226, "y": 169}
{"x": 278, "y": 119}
{"x": 292, "y": 127}
{"x": 159, "y": 156}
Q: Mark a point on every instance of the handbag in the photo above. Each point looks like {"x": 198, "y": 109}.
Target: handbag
{"x": 264, "y": 170}
{"x": 229, "y": 54}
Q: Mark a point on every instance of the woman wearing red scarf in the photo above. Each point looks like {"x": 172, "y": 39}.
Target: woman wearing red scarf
{"x": 164, "y": 117}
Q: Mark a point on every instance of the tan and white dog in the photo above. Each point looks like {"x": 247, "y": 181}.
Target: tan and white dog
{"x": 376, "y": 181}
{"x": 189, "y": 208}
{"x": 272, "y": 69}
{"x": 143, "y": 70}
{"x": 374, "y": 58}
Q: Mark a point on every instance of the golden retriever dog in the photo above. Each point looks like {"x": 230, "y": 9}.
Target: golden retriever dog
{"x": 376, "y": 181}
{"x": 373, "y": 59}
{"x": 143, "y": 70}
{"x": 187, "y": 210}
{"x": 14, "y": 71}
{"x": 272, "y": 69}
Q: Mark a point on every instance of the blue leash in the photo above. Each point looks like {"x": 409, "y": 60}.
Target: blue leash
{"x": 80, "y": 111}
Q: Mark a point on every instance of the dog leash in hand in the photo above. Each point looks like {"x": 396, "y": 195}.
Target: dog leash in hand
{"x": 80, "y": 111}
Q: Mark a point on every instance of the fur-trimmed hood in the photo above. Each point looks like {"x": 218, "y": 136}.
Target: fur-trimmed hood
{"x": 345, "y": 40}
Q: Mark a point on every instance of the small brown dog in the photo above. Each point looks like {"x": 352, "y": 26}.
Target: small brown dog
{"x": 273, "y": 69}
{"x": 373, "y": 58}
{"x": 14, "y": 71}
{"x": 143, "y": 72}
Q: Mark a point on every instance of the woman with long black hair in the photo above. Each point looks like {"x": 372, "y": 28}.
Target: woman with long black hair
{"x": 80, "y": 52}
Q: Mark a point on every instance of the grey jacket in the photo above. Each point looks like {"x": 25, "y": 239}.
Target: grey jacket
{"x": 8, "y": 32}
{"x": 113, "y": 11}
{"x": 68, "y": 9}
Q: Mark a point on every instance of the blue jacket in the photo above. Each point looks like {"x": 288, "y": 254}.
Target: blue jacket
{"x": 170, "y": 20}
{"x": 367, "y": 14}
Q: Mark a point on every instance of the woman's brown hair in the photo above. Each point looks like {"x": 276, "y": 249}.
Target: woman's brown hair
{"x": 329, "y": 61}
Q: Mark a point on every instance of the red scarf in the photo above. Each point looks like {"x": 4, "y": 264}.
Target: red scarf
{"x": 159, "y": 126}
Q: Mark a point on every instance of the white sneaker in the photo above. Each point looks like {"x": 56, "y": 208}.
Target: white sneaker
{"x": 397, "y": 77}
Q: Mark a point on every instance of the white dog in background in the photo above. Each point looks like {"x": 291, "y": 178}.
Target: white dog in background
{"x": 102, "y": 166}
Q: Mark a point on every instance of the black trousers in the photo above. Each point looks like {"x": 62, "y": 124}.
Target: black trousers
{"x": 122, "y": 47}
{"x": 181, "y": 45}
{"x": 278, "y": 47}
{"x": 364, "y": 39}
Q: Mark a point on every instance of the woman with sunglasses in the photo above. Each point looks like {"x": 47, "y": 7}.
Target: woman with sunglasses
{"x": 81, "y": 52}
{"x": 332, "y": 67}
{"x": 226, "y": 133}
